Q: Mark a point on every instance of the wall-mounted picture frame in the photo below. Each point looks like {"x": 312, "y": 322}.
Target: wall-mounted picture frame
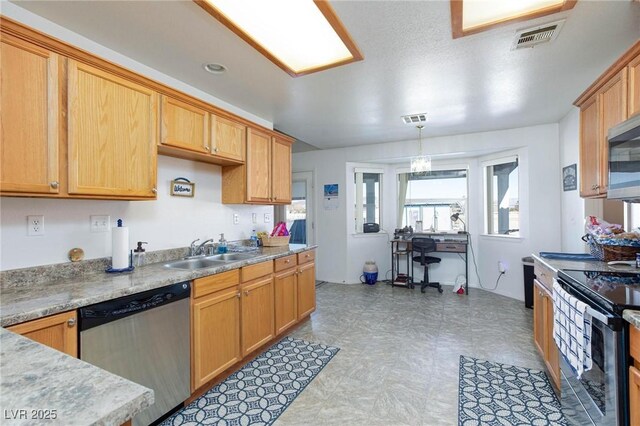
{"x": 182, "y": 187}
{"x": 570, "y": 178}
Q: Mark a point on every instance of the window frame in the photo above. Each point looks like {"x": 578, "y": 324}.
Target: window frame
{"x": 359, "y": 197}
{"x": 487, "y": 192}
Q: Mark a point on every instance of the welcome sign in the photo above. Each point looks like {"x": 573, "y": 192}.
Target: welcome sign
{"x": 182, "y": 187}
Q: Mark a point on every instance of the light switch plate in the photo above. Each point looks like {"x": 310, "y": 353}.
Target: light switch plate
{"x": 254, "y": 218}
{"x": 35, "y": 225}
{"x": 267, "y": 217}
{"x": 236, "y": 219}
{"x": 100, "y": 223}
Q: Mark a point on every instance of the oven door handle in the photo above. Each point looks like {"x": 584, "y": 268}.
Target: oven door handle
{"x": 610, "y": 321}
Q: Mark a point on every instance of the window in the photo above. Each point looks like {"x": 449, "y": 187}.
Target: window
{"x": 432, "y": 198}
{"x": 501, "y": 197}
{"x": 367, "y": 208}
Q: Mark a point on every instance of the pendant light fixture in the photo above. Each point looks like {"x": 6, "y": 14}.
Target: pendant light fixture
{"x": 420, "y": 163}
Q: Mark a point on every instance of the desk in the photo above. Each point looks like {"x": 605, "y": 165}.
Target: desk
{"x": 445, "y": 243}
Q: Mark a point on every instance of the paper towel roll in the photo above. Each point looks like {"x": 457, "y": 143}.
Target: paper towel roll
{"x": 120, "y": 247}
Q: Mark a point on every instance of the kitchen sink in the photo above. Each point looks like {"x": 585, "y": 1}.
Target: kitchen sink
{"x": 230, "y": 257}
{"x": 191, "y": 264}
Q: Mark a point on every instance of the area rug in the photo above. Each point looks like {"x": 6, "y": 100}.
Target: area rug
{"x": 259, "y": 392}
{"x": 490, "y": 393}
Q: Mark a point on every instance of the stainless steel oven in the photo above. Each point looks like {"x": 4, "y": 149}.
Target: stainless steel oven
{"x": 624, "y": 160}
{"x": 599, "y": 397}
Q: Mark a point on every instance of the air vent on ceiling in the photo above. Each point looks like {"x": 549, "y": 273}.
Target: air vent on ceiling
{"x": 414, "y": 118}
{"x": 530, "y": 37}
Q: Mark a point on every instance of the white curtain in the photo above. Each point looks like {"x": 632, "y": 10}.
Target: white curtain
{"x": 403, "y": 184}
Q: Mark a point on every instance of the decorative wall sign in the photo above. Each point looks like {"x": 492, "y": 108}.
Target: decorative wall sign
{"x": 570, "y": 178}
{"x": 182, "y": 187}
{"x": 331, "y": 196}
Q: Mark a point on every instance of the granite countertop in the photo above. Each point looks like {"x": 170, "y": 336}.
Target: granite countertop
{"x": 37, "y": 380}
{"x": 26, "y": 302}
{"x": 580, "y": 265}
{"x": 633, "y": 317}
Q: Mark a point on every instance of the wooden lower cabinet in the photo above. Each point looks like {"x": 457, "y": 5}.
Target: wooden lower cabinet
{"x": 634, "y": 396}
{"x": 215, "y": 334}
{"x": 257, "y": 319}
{"x": 543, "y": 331}
{"x": 58, "y": 331}
{"x": 306, "y": 289}
{"x": 286, "y": 299}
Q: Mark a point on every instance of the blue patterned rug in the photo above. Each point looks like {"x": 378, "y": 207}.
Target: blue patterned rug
{"x": 261, "y": 390}
{"x": 490, "y": 393}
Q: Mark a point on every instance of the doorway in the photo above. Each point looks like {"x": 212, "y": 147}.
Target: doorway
{"x": 299, "y": 214}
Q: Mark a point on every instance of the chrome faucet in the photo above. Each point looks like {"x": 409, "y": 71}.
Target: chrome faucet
{"x": 192, "y": 247}
{"x": 199, "y": 249}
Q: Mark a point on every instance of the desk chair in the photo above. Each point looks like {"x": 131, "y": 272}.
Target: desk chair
{"x": 423, "y": 246}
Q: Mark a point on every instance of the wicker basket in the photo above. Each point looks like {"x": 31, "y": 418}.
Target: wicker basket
{"x": 621, "y": 250}
{"x": 275, "y": 241}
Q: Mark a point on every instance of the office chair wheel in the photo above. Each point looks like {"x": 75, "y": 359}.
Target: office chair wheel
{"x": 440, "y": 289}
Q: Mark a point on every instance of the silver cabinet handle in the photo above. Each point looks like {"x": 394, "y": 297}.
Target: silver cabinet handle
{"x": 238, "y": 295}
{"x": 54, "y": 184}
{"x": 154, "y": 190}
{"x": 287, "y": 261}
{"x": 246, "y": 292}
{"x": 71, "y": 322}
{"x": 215, "y": 149}
{"x": 207, "y": 148}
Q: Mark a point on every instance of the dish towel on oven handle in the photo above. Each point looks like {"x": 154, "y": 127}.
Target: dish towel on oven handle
{"x": 572, "y": 329}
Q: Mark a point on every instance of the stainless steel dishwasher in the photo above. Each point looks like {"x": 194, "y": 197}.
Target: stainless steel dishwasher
{"x": 144, "y": 338}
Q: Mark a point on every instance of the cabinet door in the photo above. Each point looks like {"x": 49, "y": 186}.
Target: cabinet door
{"x": 184, "y": 126}
{"x": 281, "y": 175}
{"x": 614, "y": 111}
{"x": 552, "y": 356}
{"x": 538, "y": 316}
{"x": 589, "y": 145}
{"x": 228, "y": 138}
{"x": 28, "y": 118}
{"x": 56, "y": 331}
{"x": 286, "y": 299}
{"x": 306, "y": 289}
{"x": 258, "y": 166}
{"x": 112, "y": 135}
{"x": 257, "y": 314}
{"x": 633, "y": 74}
{"x": 634, "y": 396}
{"x": 215, "y": 336}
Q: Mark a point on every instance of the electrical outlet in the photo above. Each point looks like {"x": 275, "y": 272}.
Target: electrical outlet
{"x": 236, "y": 219}
{"x": 267, "y": 217}
{"x": 502, "y": 267}
{"x": 35, "y": 225}
{"x": 254, "y": 218}
{"x": 100, "y": 223}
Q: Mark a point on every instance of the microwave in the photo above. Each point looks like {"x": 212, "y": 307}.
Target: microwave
{"x": 624, "y": 161}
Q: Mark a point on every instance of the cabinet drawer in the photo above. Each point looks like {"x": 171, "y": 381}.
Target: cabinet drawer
{"x": 212, "y": 283}
{"x": 634, "y": 343}
{"x": 544, "y": 274}
{"x": 285, "y": 263}
{"x": 256, "y": 271}
{"x": 306, "y": 257}
{"x": 451, "y": 247}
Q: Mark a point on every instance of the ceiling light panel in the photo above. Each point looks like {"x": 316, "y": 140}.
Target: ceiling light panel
{"x": 296, "y": 33}
{"x": 482, "y": 12}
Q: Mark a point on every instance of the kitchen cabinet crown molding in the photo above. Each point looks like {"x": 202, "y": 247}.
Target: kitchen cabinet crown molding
{"x": 609, "y": 73}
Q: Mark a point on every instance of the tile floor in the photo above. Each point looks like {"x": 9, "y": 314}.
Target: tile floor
{"x": 398, "y": 363}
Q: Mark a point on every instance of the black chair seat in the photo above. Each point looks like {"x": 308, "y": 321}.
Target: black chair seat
{"x": 427, "y": 259}
{"x": 424, "y": 245}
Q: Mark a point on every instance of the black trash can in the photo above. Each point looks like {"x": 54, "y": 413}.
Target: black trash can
{"x": 527, "y": 265}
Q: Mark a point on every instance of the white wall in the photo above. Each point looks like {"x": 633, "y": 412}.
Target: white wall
{"x": 168, "y": 222}
{"x": 573, "y": 207}
{"x": 341, "y": 254}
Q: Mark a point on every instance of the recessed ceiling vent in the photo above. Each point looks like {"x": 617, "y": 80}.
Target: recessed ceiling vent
{"x": 414, "y": 118}
{"x": 530, "y": 37}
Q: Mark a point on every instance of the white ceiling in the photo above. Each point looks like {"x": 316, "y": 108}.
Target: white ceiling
{"x": 411, "y": 65}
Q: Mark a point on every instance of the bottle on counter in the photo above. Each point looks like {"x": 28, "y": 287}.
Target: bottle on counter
{"x": 254, "y": 238}
{"x": 222, "y": 245}
{"x": 139, "y": 254}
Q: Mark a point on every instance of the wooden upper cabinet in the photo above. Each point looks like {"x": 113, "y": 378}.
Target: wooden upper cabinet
{"x": 281, "y": 171}
{"x": 258, "y": 166}
{"x": 589, "y": 147}
{"x": 184, "y": 126}
{"x": 633, "y": 75}
{"x": 614, "y": 111}
{"x": 228, "y": 138}
{"x": 56, "y": 331}
{"x": 112, "y": 134}
{"x": 29, "y": 108}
